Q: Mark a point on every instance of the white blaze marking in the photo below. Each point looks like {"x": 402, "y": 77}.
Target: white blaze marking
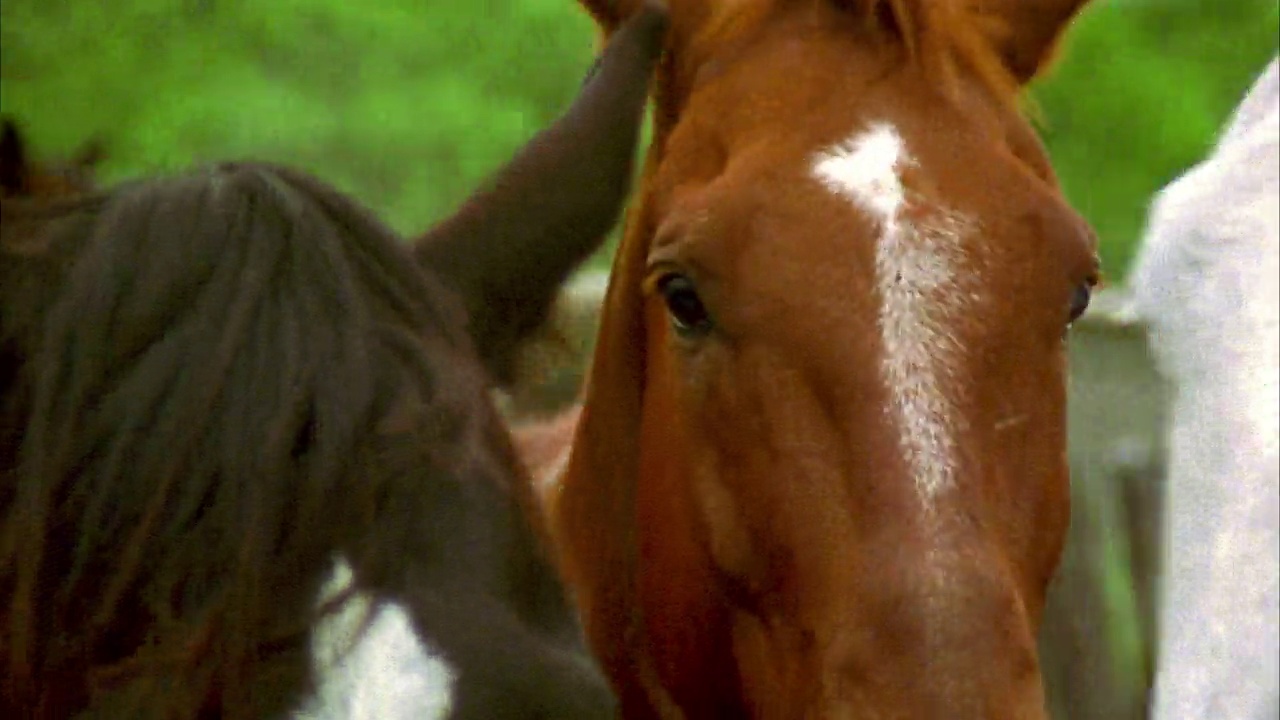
{"x": 921, "y": 296}
{"x": 374, "y": 670}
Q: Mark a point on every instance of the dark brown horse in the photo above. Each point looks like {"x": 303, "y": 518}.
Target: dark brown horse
{"x": 820, "y": 467}
{"x": 233, "y": 412}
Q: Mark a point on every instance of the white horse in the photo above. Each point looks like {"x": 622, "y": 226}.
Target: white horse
{"x": 1207, "y": 281}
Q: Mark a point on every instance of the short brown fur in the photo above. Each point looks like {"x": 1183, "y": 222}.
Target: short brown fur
{"x": 784, "y": 582}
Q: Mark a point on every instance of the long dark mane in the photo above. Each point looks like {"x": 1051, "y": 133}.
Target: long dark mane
{"x": 213, "y": 384}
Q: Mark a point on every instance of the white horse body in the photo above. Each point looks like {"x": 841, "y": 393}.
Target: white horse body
{"x": 1207, "y": 281}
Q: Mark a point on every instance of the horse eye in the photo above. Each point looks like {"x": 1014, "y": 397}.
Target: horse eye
{"x": 688, "y": 315}
{"x": 1080, "y": 301}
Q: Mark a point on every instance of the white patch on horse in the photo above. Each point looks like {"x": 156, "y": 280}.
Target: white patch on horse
{"x": 374, "y": 666}
{"x": 920, "y": 296}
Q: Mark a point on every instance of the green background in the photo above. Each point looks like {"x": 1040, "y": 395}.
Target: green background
{"x": 409, "y": 104}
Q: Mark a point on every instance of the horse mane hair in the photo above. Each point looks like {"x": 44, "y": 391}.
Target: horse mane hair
{"x": 210, "y": 385}
{"x": 938, "y": 35}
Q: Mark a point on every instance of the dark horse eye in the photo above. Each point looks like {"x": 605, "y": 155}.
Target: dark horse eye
{"x": 688, "y": 315}
{"x": 1080, "y": 301}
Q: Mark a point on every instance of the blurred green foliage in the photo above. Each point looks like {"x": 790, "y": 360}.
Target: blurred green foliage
{"x": 408, "y": 104}
{"x": 404, "y": 103}
{"x": 1140, "y": 94}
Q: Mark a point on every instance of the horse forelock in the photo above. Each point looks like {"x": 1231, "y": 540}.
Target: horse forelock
{"x": 230, "y": 357}
{"x": 942, "y": 37}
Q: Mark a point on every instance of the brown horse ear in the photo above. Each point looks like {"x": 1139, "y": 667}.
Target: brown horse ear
{"x": 608, "y": 14}
{"x": 13, "y": 158}
{"x": 93, "y": 152}
{"x": 512, "y": 244}
{"x": 1026, "y": 32}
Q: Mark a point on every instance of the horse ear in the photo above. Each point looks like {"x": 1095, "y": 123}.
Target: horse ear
{"x": 513, "y": 243}
{"x": 13, "y": 158}
{"x": 608, "y": 14}
{"x": 93, "y": 152}
{"x": 1026, "y": 32}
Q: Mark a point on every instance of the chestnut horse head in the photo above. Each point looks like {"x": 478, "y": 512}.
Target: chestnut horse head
{"x": 821, "y": 464}
{"x": 21, "y": 176}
